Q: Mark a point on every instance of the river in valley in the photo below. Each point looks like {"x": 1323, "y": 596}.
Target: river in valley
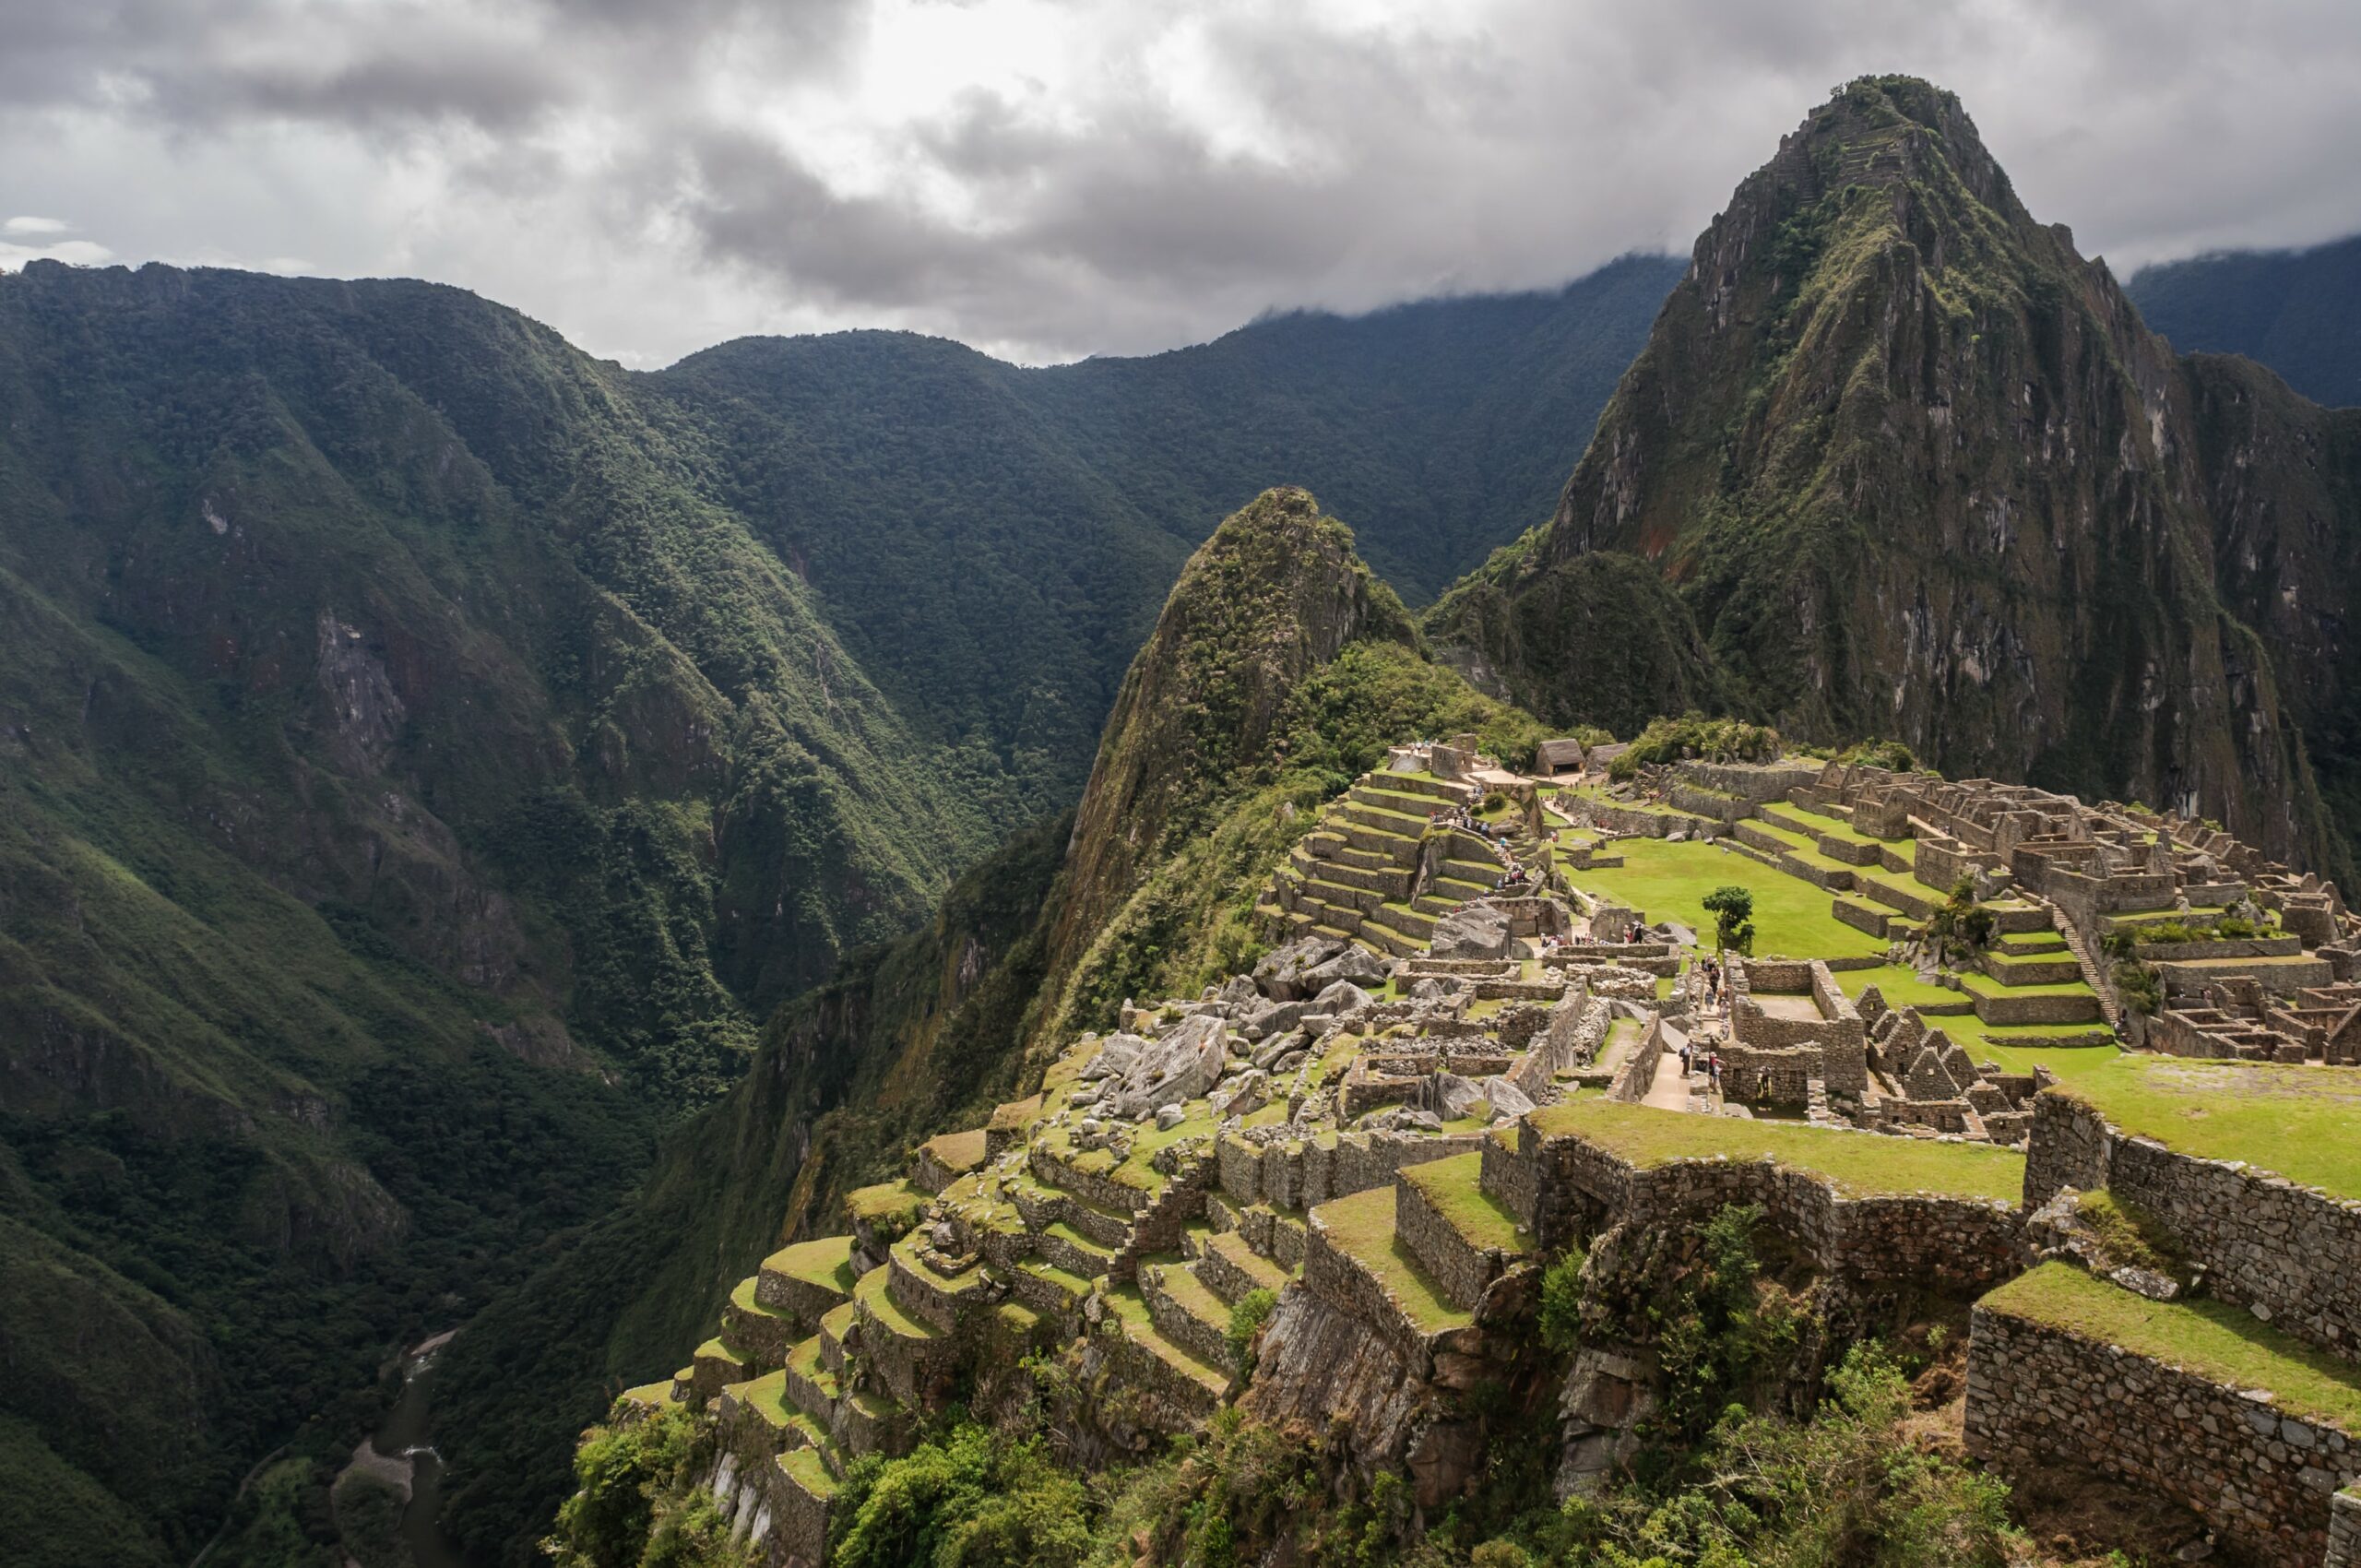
{"x": 403, "y": 1438}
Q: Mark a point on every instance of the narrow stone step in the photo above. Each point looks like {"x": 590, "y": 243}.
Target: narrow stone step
{"x": 1184, "y": 1311}
{"x": 763, "y": 1333}
{"x": 1461, "y": 1236}
{"x": 811, "y": 1387}
{"x": 832, "y": 1329}
{"x": 1230, "y": 1267}
{"x": 716, "y": 1364}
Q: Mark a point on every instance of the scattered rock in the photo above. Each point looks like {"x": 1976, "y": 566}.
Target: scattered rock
{"x": 1171, "y": 1116}
{"x": 1277, "y": 1047}
{"x": 1506, "y": 1098}
{"x": 1343, "y": 998}
{"x": 1241, "y": 1095}
{"x": 1281, "y": 975}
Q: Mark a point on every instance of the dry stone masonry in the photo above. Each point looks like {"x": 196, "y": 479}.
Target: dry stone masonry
{"x": 1452, "y": 1062}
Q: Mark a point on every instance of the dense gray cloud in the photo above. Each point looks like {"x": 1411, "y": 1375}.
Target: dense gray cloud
{"x": 1046, "y": 178}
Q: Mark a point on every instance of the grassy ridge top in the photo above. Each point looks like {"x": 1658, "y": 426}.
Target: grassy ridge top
{"x": 1859, "y": 1165}
{"x": 2301, "y": 1123}
{"x": 2214, "y": 1339}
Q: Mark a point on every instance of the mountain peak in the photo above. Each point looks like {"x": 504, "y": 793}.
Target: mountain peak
{"x": 1912, "y": 466}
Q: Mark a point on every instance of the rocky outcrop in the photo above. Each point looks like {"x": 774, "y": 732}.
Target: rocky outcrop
{"x": 1907, "y": 464}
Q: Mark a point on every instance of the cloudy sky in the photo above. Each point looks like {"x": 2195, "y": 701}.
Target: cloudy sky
{"x": 1051, "y": 178}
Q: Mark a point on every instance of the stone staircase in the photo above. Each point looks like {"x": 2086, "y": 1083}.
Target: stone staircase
{"x": 1357, "y": 876}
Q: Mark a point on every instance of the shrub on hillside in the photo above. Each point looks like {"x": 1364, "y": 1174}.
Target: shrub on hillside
{"x": 1694, "y": 735}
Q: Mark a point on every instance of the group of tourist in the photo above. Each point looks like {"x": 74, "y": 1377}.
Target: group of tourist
{"x": 1695, "y": 1058}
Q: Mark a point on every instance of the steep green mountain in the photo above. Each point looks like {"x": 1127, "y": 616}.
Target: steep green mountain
{"x": 1899, "y": 461}
{"x": 428, "y": 755}
{"x": 1279, "y": 661}
{"x": 992, "y": 542}
{"x": 2298, "y": 312}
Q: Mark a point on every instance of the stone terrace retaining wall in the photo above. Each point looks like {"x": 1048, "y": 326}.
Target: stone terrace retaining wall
{"x": 1298, "y": 1175}
{"x": 1951, "y": 1243}
{"x": 2291, "y": 1253}
{"x": 2343, "y": 1531}
{"x": 1458, "y": 1265}
{"x": 2038, "y": 1394}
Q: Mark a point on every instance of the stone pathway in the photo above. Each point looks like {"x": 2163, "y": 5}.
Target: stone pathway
{"x": 1670, "y": 1089}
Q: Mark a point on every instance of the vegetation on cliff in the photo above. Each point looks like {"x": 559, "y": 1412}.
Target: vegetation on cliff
{"x": 400, "y": 703}
{"x": 1897, "y": 460}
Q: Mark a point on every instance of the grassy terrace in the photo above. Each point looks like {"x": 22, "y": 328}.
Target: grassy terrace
{"x": 1668, "y": 880}
{"x": 809, "y": 1470}
{"x": 887, "y": 1204}
{"x": 1899, "y": 984}
{"x": 826, "y": 1261}
{"x": 1858, "y": 1164}
{"x": 872, "y": 1295}
{"x": 958, "y": 1152}
{"x": 1362, "y": 1228}
{"x": 766, "y": 1396}
{"x": 2300, "y": 1123}
{"x": 2214, "y": 1339}
{"x": 1451, "y": 1185}
{"x": 2015, "y": 1048}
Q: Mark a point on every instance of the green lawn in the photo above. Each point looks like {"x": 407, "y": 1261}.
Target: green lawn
{"x": 826, "y": 1261}
{"x": 2220, "y": 1342}
{"x": 1834, "y": 826}
{"x": 2301, "y": 1123}
{"x": 1454, "y": 1187}
{"x": 1667, "y": 880}
{"x": 1860, "y": 1164}
{"x": 1898, "y": 983}
{"x": 2016, "y": 1048}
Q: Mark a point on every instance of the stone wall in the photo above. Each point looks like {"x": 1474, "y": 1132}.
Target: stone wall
{"x": 2263, "y": 1479}
{"x": 1297, "y": 1173}
{"x": 1950, "y": 1243}
{"x": 2343, "y": 1531}
{"x": 2291, "y": 1254}
{"x": 1461, "y": 1268}
{"x": 1758, "y": 783}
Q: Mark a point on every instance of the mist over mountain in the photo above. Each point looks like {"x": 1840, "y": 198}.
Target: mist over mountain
{"x": 2295, "y": 311}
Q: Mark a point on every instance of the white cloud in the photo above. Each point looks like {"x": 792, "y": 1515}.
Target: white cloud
{"x": 1053, "y": 177}
{"x": 26, "y": 225}
{"x": 79, "y": 253}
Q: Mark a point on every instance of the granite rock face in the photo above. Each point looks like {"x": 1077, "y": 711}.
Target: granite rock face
{"x": 1180, "y": 1066}
{"x": 1472, "y": 931}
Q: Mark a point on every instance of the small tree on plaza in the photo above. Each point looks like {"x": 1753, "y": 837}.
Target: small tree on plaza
{"x": 1732, "y": 907}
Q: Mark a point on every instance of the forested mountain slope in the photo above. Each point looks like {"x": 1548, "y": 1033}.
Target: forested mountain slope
{"x": 2298, "y": 312}
{"x": 1277, "y": 640}
{"x": 428, "y": 755}
{"x": 1896, "y": 459}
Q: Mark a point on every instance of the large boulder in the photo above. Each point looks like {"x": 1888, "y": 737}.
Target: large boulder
{"x": 1181, "y": 1065}
{"x": 1472, "y": 931}
{"x": 1243, "y": 1095}
{"x": 1340, "y": 999}
{"x": 1506, "y": 1098}
{"x": 1279, "y": 1045}
{"x": 1274, "y": 1017}
{"x": 1356, "y": 963}
{"x": 1116, "y": 1055}
{"x": 1281, "y": 972}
